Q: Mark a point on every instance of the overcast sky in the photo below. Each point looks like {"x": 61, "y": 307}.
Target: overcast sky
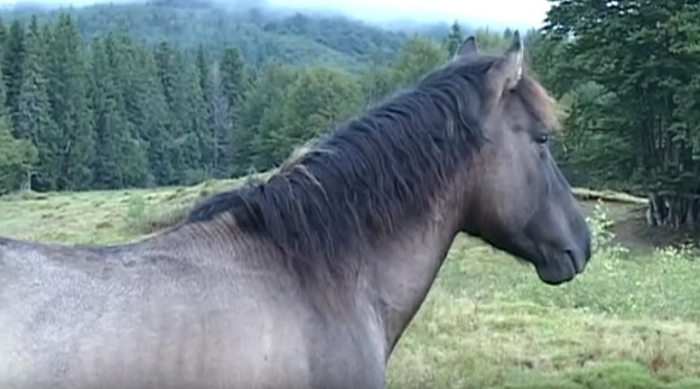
{"x": 515, "y": 13}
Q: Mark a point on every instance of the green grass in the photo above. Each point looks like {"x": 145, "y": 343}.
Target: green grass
{"x": 629, "y": 322}
{"x": 99, "y": 216}
{"x": 490, "y": 323}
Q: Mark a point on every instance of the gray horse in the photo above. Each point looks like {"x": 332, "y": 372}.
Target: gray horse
{"x": 308, "y": 279}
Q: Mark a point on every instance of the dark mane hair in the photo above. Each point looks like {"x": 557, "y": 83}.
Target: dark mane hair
{"x": 369, "y": 176}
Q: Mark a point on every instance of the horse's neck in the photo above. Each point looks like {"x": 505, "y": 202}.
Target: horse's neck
{"x": 405, "y": 271}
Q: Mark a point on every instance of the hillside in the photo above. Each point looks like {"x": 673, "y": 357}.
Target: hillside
{"x": 259, "y": 33}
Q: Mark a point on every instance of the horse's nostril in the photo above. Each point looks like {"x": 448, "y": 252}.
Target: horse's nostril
{"x": 574, "y": 261}
{"x": 588, "y": 251}
{"x": 589, "y": 243}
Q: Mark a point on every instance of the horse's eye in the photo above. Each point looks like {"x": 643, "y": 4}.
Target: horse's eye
{"x": 542, "y": 138}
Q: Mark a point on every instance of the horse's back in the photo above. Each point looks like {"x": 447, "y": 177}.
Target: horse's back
{"x": 150, "y": 321}
{"x": 71, "y": 318}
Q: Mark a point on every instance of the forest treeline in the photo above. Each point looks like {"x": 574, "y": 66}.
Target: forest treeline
{"x": 113, "y": 109}
{"x": 257, "y": 31}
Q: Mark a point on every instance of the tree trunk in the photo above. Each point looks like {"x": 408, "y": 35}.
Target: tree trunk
{"x": 27, "y": 182}
{"x": 674, "y": 211}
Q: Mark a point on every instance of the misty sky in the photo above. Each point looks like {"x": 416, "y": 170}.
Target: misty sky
{"x": 510, "y": 12}
{"x": 516, "y": 13}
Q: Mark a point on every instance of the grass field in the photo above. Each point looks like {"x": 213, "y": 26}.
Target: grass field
{"x": 630, "y": 322}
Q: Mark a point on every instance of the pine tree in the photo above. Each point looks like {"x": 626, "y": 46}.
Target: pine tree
{"x": 69, "y": 107}
{"x": 16, "y": 155}
{"x": 3, "y": 37}
{"x": 202, "y": 68}
{"x": 13, "y": 68}
{"x": 219, "y": 122}
{"x": 454, "y": 39}
{"x": 119, "y": 160}
{"x": 239, "y": 138}
{"x": 33, "y": 119}
{"x": 148, "y": 111}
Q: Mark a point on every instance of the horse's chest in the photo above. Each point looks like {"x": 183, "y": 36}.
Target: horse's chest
{"x": 271, "y": 346}
{"x": 291, "y": 351}
{"x": 346, "y": 363}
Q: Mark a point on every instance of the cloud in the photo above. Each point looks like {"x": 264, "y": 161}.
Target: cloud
{"x": 498, "y": 13}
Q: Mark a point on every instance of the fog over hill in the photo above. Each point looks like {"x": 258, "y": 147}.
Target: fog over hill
{"x": 344, "y": 33}
{"x": 392, "y": 14}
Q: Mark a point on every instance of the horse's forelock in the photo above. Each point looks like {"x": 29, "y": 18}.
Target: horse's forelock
{"x": 540, "y": 103}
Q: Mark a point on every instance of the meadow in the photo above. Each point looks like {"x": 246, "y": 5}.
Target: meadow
{"x": 630, "y": 322}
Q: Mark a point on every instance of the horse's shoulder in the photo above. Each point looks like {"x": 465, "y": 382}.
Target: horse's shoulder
{"x": 5, "y": 241}
{"x": 9, "y": 246}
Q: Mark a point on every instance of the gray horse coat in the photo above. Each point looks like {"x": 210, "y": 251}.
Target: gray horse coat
{"x": 309, "y": 279}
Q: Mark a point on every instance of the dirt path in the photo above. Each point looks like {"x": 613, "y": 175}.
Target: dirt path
{"x": 632, "y": 231}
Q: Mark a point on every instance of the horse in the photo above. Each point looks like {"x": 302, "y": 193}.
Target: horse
{"x": 309, "y": 277}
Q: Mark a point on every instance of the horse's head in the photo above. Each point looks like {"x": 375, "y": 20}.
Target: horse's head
{"x": 518, "y": 199}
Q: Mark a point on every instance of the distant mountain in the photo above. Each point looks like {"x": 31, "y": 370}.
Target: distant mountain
{"x": 260, "y": 32}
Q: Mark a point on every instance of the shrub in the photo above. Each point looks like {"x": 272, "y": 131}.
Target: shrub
{"x": 604, "y": 244}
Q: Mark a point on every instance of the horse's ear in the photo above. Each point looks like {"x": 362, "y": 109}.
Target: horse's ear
{"x": 467, "y": 47}
{"x": 509, "y": 69}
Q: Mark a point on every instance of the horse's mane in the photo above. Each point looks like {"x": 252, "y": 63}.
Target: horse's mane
{"x": 369, "y": 176}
